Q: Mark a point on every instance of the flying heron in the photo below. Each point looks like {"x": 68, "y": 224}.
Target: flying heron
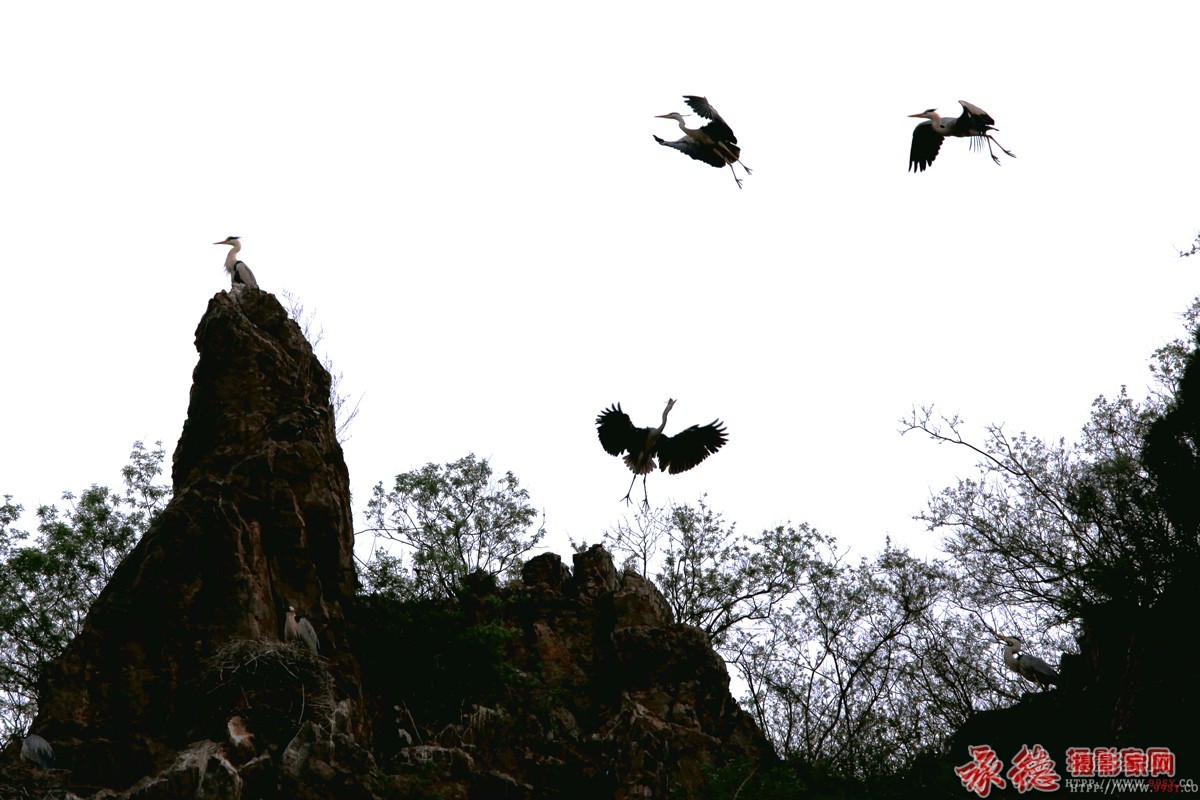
{"x": 239, "y": 273}
{"x": 300, "y": 629}
{"x": 713, "y": 144}
{"x": 927, "y": 137}
{"x": 675, "y": 454}
{"x": 1031, "y": 668}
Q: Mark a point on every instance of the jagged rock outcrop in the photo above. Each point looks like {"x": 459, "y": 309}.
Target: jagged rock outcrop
{"x": 180, "y": 684}
{"x": 611, "y": 698}
{"x": 260, "y": 519}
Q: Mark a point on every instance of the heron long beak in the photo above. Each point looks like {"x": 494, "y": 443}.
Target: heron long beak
{"x": 220, "y": 242}
{"x": 918, "y": 115}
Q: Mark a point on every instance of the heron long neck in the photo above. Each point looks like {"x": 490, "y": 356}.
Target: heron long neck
{"x": 943, "y": 124}
{"x": 1010, "y": 656}
{"x": 231, "y": 258}
{"x": 690, "y": 132}
{"x": 666, "y": 410}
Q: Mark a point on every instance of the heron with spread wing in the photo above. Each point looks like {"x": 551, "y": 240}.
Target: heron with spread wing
{"x": 713, "y": 143}
{"x": 927, "y": 138}
{"x": 642, "y": 446}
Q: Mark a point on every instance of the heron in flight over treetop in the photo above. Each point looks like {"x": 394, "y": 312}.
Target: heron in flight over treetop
{"x": 675, "y": 454}
{"x": 927, "y": 137}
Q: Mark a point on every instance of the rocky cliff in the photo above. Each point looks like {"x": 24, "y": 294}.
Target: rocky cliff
{"x": 181, "y": 684}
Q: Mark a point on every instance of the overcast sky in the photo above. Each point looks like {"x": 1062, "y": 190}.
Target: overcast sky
{"x": 469, "y": 198}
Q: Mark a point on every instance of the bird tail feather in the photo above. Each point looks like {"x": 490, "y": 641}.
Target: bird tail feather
{"x": 639, "y": 469}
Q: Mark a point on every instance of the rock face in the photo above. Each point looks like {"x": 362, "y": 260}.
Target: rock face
{"x": 180, "y": 684}
{"x": 609, "y": 699}
{"x": 260, "y": 520}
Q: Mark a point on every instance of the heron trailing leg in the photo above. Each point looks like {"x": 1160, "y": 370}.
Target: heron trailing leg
{"x": 631, "y": 483}
{"x": 1008, "y": 153}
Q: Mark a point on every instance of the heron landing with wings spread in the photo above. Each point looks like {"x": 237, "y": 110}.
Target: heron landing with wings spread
{"x": 927, "y": 138}
{"x": 713, "y": 144}
{"x": 642, "y": 446}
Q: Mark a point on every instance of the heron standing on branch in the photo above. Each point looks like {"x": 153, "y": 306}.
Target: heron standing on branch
{"x": 927, "y": 137}
{"x": 675, "y": 454}
{"x": 713, "y": 144}
{"x": 239, "y": 273}
{"x": 1031, "y": 668}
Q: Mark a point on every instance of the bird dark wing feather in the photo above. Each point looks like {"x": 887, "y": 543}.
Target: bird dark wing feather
{"x": 242, "y": 274}
{"x": 718, "y": 130}
{"x": 689, "y": 447}
{"x": 616, "y": 431}
{"x": 925, "y": 145}
{"x": 697, "y": 151}
{"x": 701, "y": 106}
{"x": 974, "y": 118}
{"x": 1033, "y": 666}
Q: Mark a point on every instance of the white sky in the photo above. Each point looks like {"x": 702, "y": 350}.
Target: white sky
{"x": 469, "y": 197}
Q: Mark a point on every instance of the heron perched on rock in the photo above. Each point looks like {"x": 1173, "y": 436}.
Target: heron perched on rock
{"x": 1029, "y": 667}
{"x": 642, "y": 446}
{"x": 300, "y": 629}
{"x": 974, "y": 123}
{"x": 239, "y": 273}
{"x": 37, "y": 750}
{"x": 713, "y": 144}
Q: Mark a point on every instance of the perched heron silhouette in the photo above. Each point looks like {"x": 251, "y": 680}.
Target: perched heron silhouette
{"x": 974, "y": 123}
{"x": 37, "y": 750}
{"x": 642, "y": 446}
{"x": 1028, "y": 667}
{"x": 300, "y": 629}
{"x": 713, "y": 144}
{"x": 239, "y": 273}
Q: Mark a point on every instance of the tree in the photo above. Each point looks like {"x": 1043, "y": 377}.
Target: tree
{"x": 855, "y": 667}
{"x": 455, "y": 520}
{"x": 345, "y": 408}
{"x": 48, "y": 584}
{"x": 1054, "y": 528}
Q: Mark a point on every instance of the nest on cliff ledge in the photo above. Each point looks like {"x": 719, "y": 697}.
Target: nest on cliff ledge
{"x": 275, "y": 686}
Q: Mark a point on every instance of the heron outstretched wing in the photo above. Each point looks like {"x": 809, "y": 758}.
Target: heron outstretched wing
{"x": 616, "y": 431}
{"x": 698, "y": 151}
{"x": 717, "y": 129}
{"x": 689, "y": 447}
{"x": 974, "y": 117}
{"x": 926, "y": 142}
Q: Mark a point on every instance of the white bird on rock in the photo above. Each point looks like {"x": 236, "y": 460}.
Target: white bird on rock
{"x": 299, "y": 628}
{"x": 239, "y": 273}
